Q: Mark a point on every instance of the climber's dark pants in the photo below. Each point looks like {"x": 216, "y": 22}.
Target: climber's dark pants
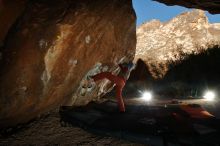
{"x": 120, "y": 83}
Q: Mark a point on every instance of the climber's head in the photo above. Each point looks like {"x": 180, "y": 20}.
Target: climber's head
{"x": 130, "y": 65}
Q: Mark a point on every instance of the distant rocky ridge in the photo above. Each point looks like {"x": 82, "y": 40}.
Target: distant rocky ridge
{"x": 159, "y": 44}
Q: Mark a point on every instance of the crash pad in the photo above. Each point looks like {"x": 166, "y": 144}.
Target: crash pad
{"x": 147, "y": 124}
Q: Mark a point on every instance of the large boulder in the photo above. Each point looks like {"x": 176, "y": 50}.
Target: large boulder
{"x": 53, "y": 48}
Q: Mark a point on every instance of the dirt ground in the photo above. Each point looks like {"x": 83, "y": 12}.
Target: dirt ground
{"x": 48, "y": 131}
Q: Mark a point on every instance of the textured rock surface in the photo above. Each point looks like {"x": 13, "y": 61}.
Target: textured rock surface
{"x": 10, "y": 10}
{"x": 213, "y": 6}
{"x": 53, "y": 48}
{"x": 159, "y": 44}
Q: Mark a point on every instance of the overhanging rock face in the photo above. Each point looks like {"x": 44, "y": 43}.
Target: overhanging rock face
{"x": 213, "y": 6}
{"x": 52, "y": 49}
{"x": 10, "y": 10}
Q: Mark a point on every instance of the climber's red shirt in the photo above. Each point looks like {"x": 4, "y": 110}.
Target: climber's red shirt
{"x": 124, "y": 73}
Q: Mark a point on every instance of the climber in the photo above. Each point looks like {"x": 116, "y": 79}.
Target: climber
{"x": 119, "y": 80}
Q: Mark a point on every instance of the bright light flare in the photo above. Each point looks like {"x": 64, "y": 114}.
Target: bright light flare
{"x": 209, "y": 95}
{"x": 147, "y": 96}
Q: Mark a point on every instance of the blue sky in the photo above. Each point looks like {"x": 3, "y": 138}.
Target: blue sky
{"x": 148, "y": 9}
